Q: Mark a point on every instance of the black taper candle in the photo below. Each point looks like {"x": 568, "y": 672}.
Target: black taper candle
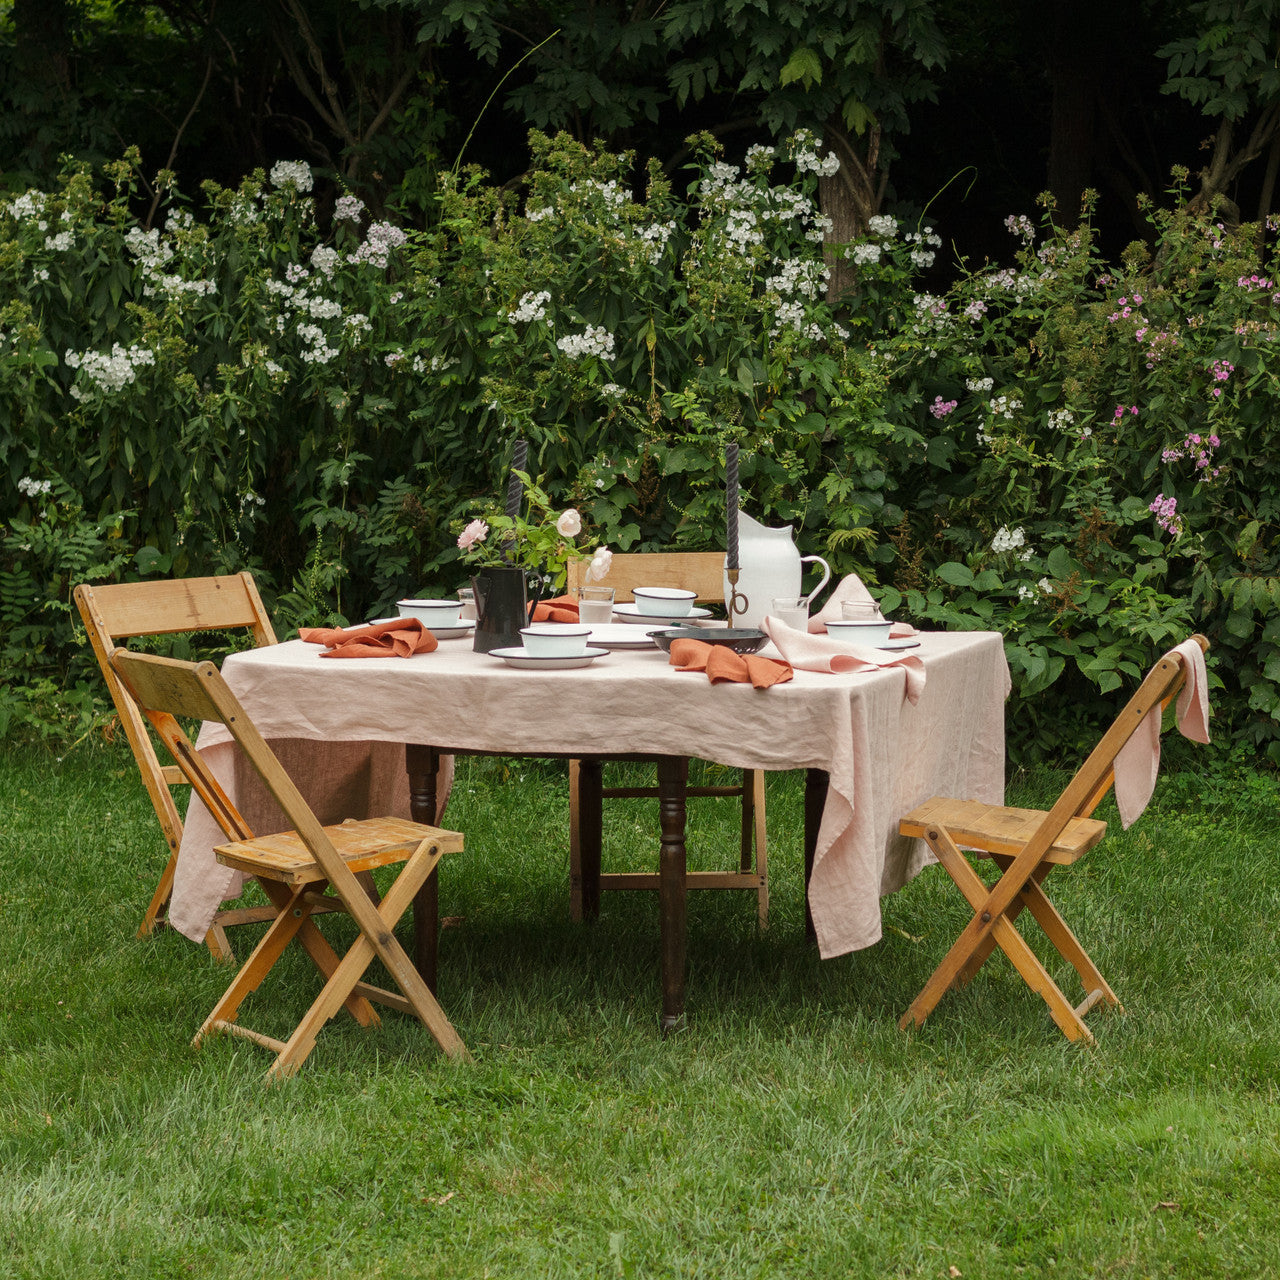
{"x": 731, "y": 505}
{"x": 515, "y": 487}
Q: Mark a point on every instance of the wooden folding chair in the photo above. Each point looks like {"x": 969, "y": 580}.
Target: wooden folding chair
{"x": 1026, "y": 844}
{"x": 296, "y": 867}
{"x": 170, "y": 607}
{"x": 700, "y": 571}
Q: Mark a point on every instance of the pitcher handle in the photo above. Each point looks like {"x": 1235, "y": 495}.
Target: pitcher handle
{"x": 826, "y": 574}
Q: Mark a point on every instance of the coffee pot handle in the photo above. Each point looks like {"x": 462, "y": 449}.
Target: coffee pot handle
{"x": 826, "y": 574}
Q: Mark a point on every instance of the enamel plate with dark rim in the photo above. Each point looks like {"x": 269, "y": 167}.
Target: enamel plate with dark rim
{"x": 520, "y": 657}
{"x": 631, "y": 613}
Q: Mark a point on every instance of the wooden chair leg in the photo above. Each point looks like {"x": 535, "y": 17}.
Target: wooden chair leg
{"x": 160, "y": 900}
{"x": 269, "y": 949}
{"x": 988, "y": 945}
{"x": 1068, "y": 945}
{"x": 219, "y": 945}
{"x": 575, "y": 843}
{"x": 761, "y": 848}
{"x": 352, "y": 966}
{"x": 1007, "y": 938}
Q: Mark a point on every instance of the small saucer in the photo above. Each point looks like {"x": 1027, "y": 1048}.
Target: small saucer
{"x": 902, "y": 642}
{"x": 617, "y": 635}
{"x": 520, "y": 657}
{"x": 631, "y": 613}
{"x": 464, "y": 628}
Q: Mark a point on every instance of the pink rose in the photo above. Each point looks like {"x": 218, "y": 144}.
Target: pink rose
{"x": 476, "y": 531}
{"x": 570, "y": 524}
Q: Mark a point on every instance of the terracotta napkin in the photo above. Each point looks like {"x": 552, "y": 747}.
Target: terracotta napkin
{"x": 826, "y": 653}
{"x": 1138, "y": 761}
{"x": 850, "y": 588}
{"x": 398, "y": 638}
{"x": 724, "y": 666}
{"x": 559, "y": 609}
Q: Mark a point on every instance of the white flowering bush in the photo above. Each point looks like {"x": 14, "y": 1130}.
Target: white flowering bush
{"x": 1072, "y": 452}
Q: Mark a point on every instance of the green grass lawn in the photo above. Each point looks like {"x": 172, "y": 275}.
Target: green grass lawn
{"x": 791, "y": 1130}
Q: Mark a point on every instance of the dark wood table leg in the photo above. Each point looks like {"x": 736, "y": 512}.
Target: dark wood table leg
{"x": 673, "y": 782}
{"x": 423, "y": 764}
{"x": 815, "y": 799}
{"x": 590, "y": 837}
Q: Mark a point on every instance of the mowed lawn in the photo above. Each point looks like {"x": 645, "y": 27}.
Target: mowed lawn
{"x": 790, "y": 1130}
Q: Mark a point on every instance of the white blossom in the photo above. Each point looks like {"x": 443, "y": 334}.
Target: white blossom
{"x": 296, "y": 171}
{"x": 883, "y": 224}
{"x": 532, "y": 306}
{"x": 34, "y": 488}
{"x": 1007, "y": 539}
{"x": 379, "y": 241}
{"x": 347, "y": 208}
{"x": 593, "y": 341}
{"x": 325, "y": 259}
{"x": 108, "y": 371}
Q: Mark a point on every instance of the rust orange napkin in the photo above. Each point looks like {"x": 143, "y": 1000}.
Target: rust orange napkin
{"x": 398, "y": 638}
{"x": 722, "y": 665}
{"x": 559, "y": 609}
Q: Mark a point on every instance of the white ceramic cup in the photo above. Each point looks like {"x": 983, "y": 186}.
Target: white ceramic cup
{"x": 555, "y": 639}
{"x": 664, "y": 602}
{"x": 431, "y": 613}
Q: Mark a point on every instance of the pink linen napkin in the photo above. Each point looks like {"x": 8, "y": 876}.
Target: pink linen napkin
{"x": 397, "y": 638}
{"x": 1138, "y": 761}
{"x": 850, "y": 587}
{"x": 826, "y": 653}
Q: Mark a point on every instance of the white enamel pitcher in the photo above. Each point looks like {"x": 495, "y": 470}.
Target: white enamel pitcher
{"x": 771, "y": 565}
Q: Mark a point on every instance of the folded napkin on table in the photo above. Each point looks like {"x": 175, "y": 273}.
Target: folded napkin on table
{"x": 826, "y": 653}
{"x": 397, "y": 638}
{"x": 558, "y": 609}
{"x": 722, "y": 665}
{"x": 851, "y": 588}
{"x": 1138, "y": 761}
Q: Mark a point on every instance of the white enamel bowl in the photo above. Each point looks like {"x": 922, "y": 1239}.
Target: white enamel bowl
{"x": 555, "y": 639}
{"x": 664, "y": 602}
{"x": 431, "y": 613}
{"x": 870, "y": 634}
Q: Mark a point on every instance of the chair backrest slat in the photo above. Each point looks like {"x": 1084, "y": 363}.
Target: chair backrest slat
{"x": 168, "y": 606}
{"x": 700, "y": 571}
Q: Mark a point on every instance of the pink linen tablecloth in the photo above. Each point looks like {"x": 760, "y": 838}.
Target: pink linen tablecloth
{"x": 883, "y": 755}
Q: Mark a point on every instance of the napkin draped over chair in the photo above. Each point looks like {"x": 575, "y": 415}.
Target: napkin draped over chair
{"x": 1138, "y": 762}
{"x": 396, "y": 638}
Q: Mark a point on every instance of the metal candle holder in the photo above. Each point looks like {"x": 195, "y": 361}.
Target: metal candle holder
{"x": 737, "y": 602}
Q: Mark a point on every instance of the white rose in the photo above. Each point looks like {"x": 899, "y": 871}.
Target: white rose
{"x": 570, "y": 524}
{"x": 600, "y": 565}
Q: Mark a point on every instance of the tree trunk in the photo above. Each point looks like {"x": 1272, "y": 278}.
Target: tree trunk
{"x": 849, "y": 197}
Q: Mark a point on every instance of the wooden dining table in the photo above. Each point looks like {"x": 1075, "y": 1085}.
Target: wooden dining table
{"x": 377, "y": 735}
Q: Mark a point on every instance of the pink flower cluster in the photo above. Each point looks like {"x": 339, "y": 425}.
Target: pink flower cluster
{"x": 1221, "y": 370}
{"x": 940, "y": 407}
{"x": 1158, "y": 343}
{"x": 1254, "y": 282}
{"x": 1126, "y": 307}
{"x": 1166, "y": 513}
{"x": 1121, "y": 411}
{"x": 1197, "y": 447}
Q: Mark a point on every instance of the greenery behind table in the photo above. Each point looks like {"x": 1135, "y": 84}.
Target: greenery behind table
{"x": 1077, "y": 453}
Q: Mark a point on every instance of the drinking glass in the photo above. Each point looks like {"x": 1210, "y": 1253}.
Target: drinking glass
{"x": 793, "y": 611}
{"x": 595, "y": 604}
{"x": 860, "y": 611}
{"x": 468, "y": 598}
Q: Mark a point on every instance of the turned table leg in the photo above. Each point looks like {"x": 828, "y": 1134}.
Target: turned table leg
{"x": 423, "y": 764}
{"x": 673, "y": 779}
